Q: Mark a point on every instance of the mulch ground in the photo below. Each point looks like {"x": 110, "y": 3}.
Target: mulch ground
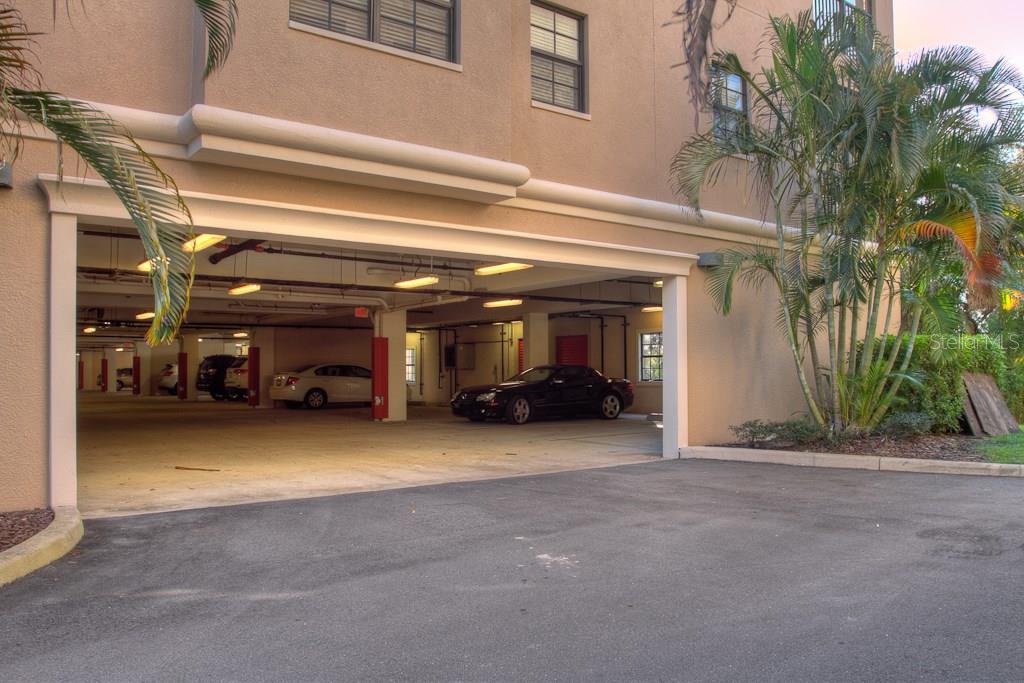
{"x": 929, "y": 447}
{"x": 16, "y": 527}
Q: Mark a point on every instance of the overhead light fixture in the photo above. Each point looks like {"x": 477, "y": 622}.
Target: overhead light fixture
{"x": 240, "y": 335}
{"x": 119, "y": 348}
{"x": 245, "y": 288}
{"x": 424, "y": 281}
{"x": 148, "y": 315}
{"x": 502, "y": 303}
{"x": 659, "y": 283}
{"x": 498, "y": 323}
{"x": 88, "y": 330}
{"x": 199, "y": 340}
{"x": 499, "y": 268}
{"x": 200, "y": 242}
{"x": 651, "y": 309}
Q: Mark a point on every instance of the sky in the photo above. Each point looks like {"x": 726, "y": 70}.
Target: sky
{"x": 994, "y": 27}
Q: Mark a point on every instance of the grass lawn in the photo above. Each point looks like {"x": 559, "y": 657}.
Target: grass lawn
{"x": 1007, "y": 449}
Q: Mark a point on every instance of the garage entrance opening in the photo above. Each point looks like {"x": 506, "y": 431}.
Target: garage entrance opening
{"x": 274, "y": 389}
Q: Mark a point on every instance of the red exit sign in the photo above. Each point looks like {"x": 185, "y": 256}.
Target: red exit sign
{"x": 362, "y": 312}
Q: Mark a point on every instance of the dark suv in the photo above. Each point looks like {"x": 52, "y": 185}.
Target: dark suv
{"x": 212, "y": 372}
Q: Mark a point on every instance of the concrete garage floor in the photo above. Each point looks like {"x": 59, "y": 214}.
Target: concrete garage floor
{"x": 670, "y": 571}
{"x": 129, "y": 450}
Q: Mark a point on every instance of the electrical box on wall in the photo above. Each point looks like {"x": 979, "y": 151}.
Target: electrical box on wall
{"x": 460, "y": 356}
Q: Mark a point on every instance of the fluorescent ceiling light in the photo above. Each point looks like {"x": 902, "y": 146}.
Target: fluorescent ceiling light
{"x": 89, "y": 330}
{"x": 418, "y": 282}
{"x": 499, "y": 268}
{"x": 244, "y": 288}
{"x": 199, "y": 340}
{"x": 240, "y": 334}
{"x": 659, "y": 283}
{"x": 200, "y": 242}
{"x": 651, "y": 309}
{"x": 498, "y": 323}
{"x": 501, "y": 303}
{"x": 119, "y": 348}
{"x": 148, "y": 315}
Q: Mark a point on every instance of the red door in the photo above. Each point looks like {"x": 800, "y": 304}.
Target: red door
{"x": 522, "y": 355}
{"x": 572, "y": 350}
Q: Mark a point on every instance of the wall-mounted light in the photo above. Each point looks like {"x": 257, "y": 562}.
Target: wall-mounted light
{"x": 200, "y": 242}
{"x": 423, "y": 281}
{"x": 199, "y": 340}
{"x": 651, "y": 309}
{"x": 148, "y": 315}
{"x": 502, "y": 303}
{"x": 659, "y": 283}
{"x": 499, "y": 268}
{"x": 144, "y": 266}
{"x": 88, "y": 330}
{"x": 245, "y": 288}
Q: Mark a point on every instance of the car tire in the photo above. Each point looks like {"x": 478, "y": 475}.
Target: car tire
{"x": 315, "y": 399}
{"x": 610, "y": 407}
{"x": 519, "y": 411}
{"x": 217, "y": 395}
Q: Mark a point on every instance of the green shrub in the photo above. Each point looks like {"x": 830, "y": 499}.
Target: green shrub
{"x": 940, "y": 361}
{"x": 758, "y": 433}
{"x": 902, "y": 425}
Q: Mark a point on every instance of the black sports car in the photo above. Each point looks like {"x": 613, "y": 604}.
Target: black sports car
{"x": 546, "y": 390}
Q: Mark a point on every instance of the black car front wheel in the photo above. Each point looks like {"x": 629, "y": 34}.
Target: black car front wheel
{"x": 611, "y": 406}
{"x": 519, "y": 411}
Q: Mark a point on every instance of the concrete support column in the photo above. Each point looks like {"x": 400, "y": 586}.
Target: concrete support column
{"x": 674, "y": 367}
{"x": 536, "y": 340}
{"x": 145, "y": 354}
{"x": 111, "y": 357}
{"x": 63, "y": 437}
{"x": 264, "y": 338}
{"x": 190, "y": 345}
{"x": 391, "y": 324}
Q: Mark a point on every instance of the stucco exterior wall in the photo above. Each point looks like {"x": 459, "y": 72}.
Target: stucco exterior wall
{"x": 639, "y": 114}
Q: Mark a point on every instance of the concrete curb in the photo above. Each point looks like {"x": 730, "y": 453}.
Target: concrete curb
{"x": 852, "y": 462}
{"x": 53, "y": 542}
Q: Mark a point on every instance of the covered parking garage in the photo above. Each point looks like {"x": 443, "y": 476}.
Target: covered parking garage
{"x": 328, "y": 293}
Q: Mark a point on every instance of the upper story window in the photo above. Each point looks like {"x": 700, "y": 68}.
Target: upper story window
{"x": 556, "y": 57}
{"x": 729, "y": 104}
{"x": 425, "y": 27}
{"x": 827, "y": 8}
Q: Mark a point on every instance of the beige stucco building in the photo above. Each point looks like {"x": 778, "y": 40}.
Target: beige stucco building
{"x": 354, "y": 144}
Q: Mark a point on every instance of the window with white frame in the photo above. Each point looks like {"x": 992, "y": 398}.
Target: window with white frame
{"x": 650, "y": 357}
{"x": 827, "y": 8}
{"x": 556, "y": 57}
{"x": 425, "y": 27}
{"x": 410, "y": 366}
{"x": 729, "y": 104}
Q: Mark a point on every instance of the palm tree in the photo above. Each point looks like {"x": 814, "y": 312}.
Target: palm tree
{"x": 879, "y": 176}
{"x": 150, "y": 196}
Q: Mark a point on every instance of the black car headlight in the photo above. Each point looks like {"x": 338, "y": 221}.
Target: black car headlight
{"x": 486, "y": 396}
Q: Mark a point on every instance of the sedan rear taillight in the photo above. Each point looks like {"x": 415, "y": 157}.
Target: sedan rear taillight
{"x": 291, "y": 380}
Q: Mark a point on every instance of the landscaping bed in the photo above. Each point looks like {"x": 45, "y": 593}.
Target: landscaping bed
{"x": 16, "y": 527}
{"x": 949, "y": 447}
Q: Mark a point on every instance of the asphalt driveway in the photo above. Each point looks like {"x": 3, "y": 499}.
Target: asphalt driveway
{"x": 660, "y": 571}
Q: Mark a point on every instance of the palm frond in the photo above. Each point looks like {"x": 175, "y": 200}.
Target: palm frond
{"x": 220, "y": 18}
{"x": 148, "y": 194}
